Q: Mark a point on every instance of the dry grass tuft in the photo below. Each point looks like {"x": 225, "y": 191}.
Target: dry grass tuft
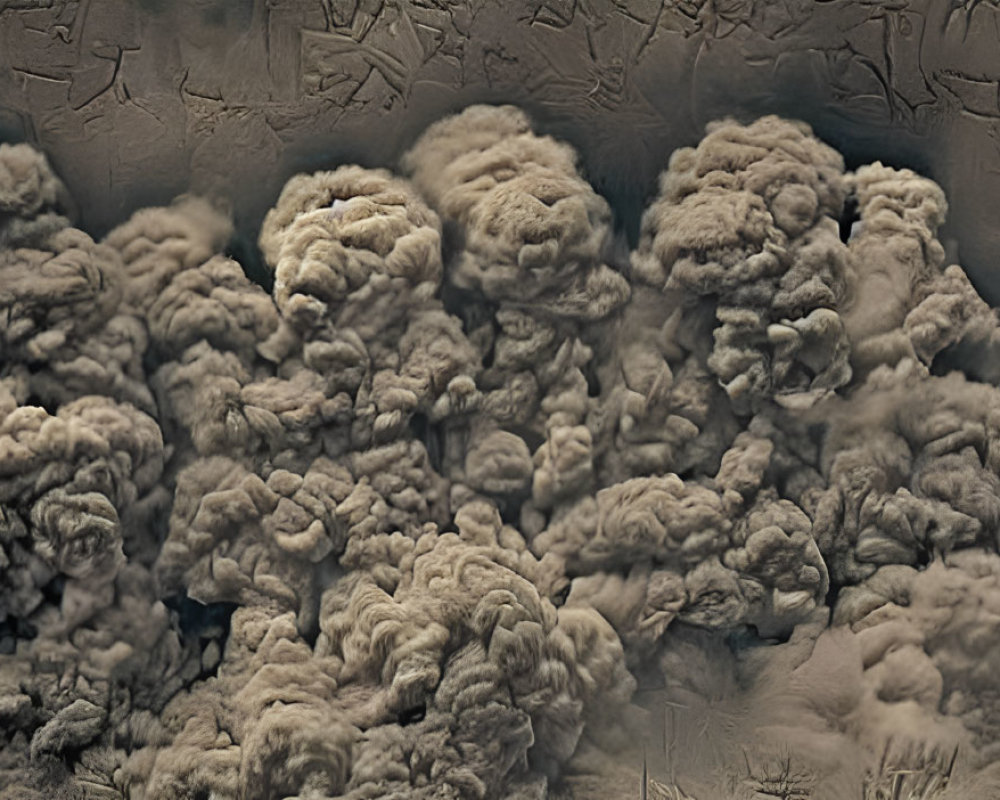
{"x": 907, "y": 771}
{"x": 911, "y": 772}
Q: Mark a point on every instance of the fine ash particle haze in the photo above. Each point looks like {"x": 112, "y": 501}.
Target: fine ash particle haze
{"x": 476, "y": 504}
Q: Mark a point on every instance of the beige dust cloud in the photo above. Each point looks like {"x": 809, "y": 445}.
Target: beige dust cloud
{"x": 476, "y": 503}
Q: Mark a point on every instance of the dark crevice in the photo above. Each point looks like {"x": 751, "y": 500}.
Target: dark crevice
{"x": 560, "y": 597}
{"x": 411, "y": 715}
{"x": 310, "y": 633}
{"x": 151, "y": 361}
{"x": 816, "y": 432}
{"x": 750, "y": 636}
{"x": 53, "y": 590}
{"x": 199, "y": 619}
{"x": 593, "y": 382}
{"x": 12, "y": 630}
{"x": 848, "y": 217}
{"x": 833, "y": 593}
{"x": 490, "y": 354}
{"x": 688, "y": 474}
{"x": 201, "y": 624}
{"x": 429, "y": 434}
{"x": 470, "y": 307}
{"x": 35, "y": 400}
{"x": 510, "y": 508}
{"x": 243, "y": 250}
{"x": 951, "y": 359}
{"x": 532, "y": 438}
{"x": 452, "y": 242}
{"x": 978, "y": 359}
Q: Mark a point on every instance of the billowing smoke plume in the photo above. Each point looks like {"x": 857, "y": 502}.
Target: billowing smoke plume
{"x": 476, "y": 505}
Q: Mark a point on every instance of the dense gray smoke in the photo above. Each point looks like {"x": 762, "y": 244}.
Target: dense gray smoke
{"x": 478, "y": 504}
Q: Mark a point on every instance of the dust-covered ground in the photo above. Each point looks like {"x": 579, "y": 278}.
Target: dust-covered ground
{"x": 476, "y": 503}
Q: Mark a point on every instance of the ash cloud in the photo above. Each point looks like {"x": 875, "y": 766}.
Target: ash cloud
{"x": 472, "y": 506}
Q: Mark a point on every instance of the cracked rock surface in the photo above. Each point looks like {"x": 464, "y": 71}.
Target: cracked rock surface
{"x": 233, "y": 99}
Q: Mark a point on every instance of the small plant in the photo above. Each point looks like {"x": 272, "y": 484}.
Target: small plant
{"x": 660, "y": 791}
{"x": 772, "y": 776}
{"x": 652, "y": 789}
{"x": 913, "y": 772}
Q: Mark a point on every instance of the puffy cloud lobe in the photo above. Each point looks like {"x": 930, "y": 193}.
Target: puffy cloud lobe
{"x": 64, "y": 291}
{"x": 78, "y": 533}
{"x": 499, "y": 464}
{"x": 534, "y": 232}
{"x": 911, "y": 469}
{"x": 236, "y": 538}
{"x": 517, "y": 656}
{"x": 749, "y": 220}
{"x": 156, "y": 244}
{"x": 927, "y": 638}
{"x": 776, "y": 549}
{"x": 953, "y": 325}
{"x": 894, "y": 251}
{"x": 659, "y": 518}
{"x": 109, "y": 362}
{"x": 215, "y": 303}
{"x": 29, "y": 184}
{"x": 658, "y": 416}
{"x": 65, "y": 320}
{"x": 357, "y": 259}
{"x": 208, "y": 327}
{"x": 333, "y": 233}
{"x": 533, "y": 238}
{"x": 653, "y": 550}
{"x": 34, "y": 203}
{"x": 66, "y": 481}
